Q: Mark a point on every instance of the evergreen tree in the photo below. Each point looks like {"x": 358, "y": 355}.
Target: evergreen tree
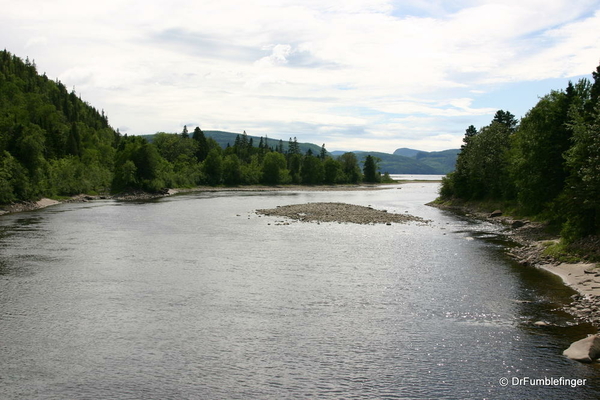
{"x": 507, "y": 119}
{"x": 371, "y": 174}
{"x": 293, "y": 146}
{"x": 202, "y": 149}
{"x": 538, "y": 162}
{"x": 323, "y": 153}
{"x": 581, "y": 199}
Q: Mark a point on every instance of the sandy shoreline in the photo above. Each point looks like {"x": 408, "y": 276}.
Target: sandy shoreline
{"x": 585, "y": 279}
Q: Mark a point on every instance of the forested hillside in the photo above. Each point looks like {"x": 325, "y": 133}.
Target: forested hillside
{"x": 546, "y": 166}
{"x": 442, "y": 162}
{"x": 227, "y": 139}
{"x": 52, "y": 143}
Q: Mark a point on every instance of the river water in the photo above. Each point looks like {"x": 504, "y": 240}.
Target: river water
{"x": 196, "y": 297}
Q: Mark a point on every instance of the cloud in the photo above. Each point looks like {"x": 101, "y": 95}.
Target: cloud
{"x": 374, "y": 73}
{"x": 203, "y": 45}
{"x": 36, "y": 41}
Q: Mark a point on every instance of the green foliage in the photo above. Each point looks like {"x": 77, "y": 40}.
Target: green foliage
{"x": 543, "y": 137}
{"x": 370, "y": 170}
{"x": 560, "y": 251}
{"x": 172, "y": 147}
{"x": 350, "y": 168}
{"x": 386, "y": 178}
{"x": 312, "y": 170}
{"x": 274, "y": 169}
{"x": 294, "y": 166}
{"x": 213, "y": 167}
{"x": 549, "y": 163}
{"x": 581, "y": 199}
{"x": 202, "y": 147}
{"x": 232, "y": 170}
{"x": 52, "y": 143}
{"x": 482, "y": 165}
{"x": 332, "y": 171}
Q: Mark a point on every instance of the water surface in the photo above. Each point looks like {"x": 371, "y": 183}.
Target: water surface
{"x": 196, "y": 296}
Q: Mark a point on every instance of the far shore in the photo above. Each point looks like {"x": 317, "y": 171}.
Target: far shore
{"x": 141, "y": 195}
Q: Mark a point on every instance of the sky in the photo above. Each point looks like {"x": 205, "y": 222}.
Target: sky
{"x": 372, "y": 75}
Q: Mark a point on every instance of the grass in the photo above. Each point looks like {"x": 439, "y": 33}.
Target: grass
{"x": 560, "y": 251}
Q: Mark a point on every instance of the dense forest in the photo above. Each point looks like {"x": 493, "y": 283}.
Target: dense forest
{"x": 52, "y": 143}
{"x": 546, "y": 166}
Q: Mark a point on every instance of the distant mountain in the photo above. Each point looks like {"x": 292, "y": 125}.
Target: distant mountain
{"x": 394, "y": 164}
{"x": 406, "y": 152}
{"x": 411, "y": 161}
{"x": 337, "y": 153}
{"x": 444, "y": 161}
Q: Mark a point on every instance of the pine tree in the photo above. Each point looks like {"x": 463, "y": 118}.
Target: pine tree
{"x": 199, "y": 137}
{"x": 370, "y": 170}
{"x": 323, "y": 153}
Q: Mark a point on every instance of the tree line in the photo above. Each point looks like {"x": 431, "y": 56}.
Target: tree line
{"x": 547, "y": 165}
{"x": 52, "y": 143}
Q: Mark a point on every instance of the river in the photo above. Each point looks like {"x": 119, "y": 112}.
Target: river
{"x": 197, "y": 297}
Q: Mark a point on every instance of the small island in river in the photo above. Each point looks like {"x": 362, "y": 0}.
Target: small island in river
{"x": 339, "y": 212}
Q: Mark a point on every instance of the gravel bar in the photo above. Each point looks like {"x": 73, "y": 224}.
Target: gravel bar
{"x": 339, "y": 212}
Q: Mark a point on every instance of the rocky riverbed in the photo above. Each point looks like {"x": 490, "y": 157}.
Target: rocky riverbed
{"x": 338, "y": 212}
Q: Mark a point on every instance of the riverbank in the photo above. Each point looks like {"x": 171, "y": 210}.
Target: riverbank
{"x": 141, "y": 195}
{"x": 533, "y": 241}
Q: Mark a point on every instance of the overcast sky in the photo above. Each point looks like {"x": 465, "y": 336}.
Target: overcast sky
{"x": 355, "y": 74}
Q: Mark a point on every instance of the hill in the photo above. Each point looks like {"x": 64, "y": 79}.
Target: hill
{"x": 394, "y": 164}
{"x": 411, "y": 161}
{"x": 51, "y": 142}
{"x": 224, "y": 138}
{"x": 406, "y": 152}
{"x": 444, "y": 161}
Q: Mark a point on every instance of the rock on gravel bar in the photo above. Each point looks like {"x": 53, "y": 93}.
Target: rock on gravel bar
{"x": 338, "y": 212}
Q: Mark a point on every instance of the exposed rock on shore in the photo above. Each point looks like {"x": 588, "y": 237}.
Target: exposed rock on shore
{"x": 584, "y": 350}
{"x": 339, "y": 212}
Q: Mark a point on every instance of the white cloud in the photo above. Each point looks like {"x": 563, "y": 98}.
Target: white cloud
{"x": 339, "y": 72}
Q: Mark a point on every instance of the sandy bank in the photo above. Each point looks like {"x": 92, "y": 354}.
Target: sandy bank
{"x": 585, "y": 279}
